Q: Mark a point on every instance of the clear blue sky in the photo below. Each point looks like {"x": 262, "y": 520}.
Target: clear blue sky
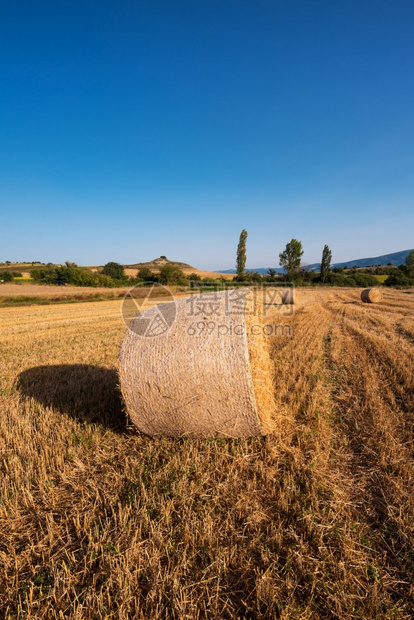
{"x": 134, "y": 128}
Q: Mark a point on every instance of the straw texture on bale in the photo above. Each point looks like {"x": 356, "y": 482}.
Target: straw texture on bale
{"x": 288, "y": 296}
{"x": 371, "y": 295}
{"x": 208, "y": 375}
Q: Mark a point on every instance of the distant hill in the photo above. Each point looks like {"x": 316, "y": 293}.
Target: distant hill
{"x": 158, "y": 263}
{"x": 396, "y": 259}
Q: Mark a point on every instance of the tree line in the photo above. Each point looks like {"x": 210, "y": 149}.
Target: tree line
{"x": 295, "y": 272}
{"x": 113, "y": 274}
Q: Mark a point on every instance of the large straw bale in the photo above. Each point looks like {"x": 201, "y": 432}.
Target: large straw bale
{"x": 288, "y": 296}
{"x": 206, "y": 375}
{"x": 371, "y": 295}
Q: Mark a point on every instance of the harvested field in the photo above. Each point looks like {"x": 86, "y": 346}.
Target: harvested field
{"x": 49, "y": 290}
{"x": 314, "y": 521}
{"x": 37, "y": 294}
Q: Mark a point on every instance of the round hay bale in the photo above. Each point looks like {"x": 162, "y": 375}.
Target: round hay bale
{"x": 371, "y": 295}
{"x": 288, "y": 296}
{"x": 206, "y": 374}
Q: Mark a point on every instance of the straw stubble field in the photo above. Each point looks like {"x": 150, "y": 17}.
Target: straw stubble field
{"x": 315, "y": 521}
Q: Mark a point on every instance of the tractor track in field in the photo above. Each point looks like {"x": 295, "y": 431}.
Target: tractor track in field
{"x": 371, "y": 426}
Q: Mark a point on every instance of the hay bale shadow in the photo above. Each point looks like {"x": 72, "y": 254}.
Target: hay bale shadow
{"x": 86, "y": 393}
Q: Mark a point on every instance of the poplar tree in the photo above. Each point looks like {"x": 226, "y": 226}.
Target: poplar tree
{"x": 325, "y": 263}
{"x": 241, "y": 255}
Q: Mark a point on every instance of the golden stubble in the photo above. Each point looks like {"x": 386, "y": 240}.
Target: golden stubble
{"x": 313, "y": 521}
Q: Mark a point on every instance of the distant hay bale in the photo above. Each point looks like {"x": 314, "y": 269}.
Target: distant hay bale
{"x": 288, "y": 296}
{"x": 371, "y": 295}
{"x": 199, "y": 367}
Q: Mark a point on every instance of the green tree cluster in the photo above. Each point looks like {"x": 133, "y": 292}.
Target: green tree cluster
{"x": 6, "y": 276}
{"x": 169, "y": 275}
{"x": 290, "y": 258}
{"x": 145, "y": 275}
{"x": 173, "y": 275}
{"x": 404, "y": 274}
{"x": 409, "y": 265}
{"x": 72, "y": 274}
{"x": 114, "y": 271}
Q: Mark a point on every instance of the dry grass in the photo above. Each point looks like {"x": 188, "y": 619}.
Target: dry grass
{"x": 316, "y": 521}
{"x": 49, "y": 290}
{"x": 208, "y": 274}
{"x": 189, "y": 270}
{"x": 37, "y": 294}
